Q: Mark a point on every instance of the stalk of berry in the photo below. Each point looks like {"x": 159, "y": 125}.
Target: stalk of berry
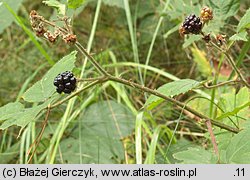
{"x": 65, "y": 82}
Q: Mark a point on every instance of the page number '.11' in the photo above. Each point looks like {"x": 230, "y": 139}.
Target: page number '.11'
{"x": 240, "y": 172}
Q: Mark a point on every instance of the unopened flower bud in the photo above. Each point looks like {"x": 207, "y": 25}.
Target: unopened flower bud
{"x": 206, "y": 14}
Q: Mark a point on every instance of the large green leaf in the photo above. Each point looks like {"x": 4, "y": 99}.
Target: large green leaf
{"x": 181, "y": 8}
{"x": 223, "y": 139}
{"x": 244, "y": 22}
{"x": 9, "y": 110}
{"x": 44, "y": 88}
{"x": 6, "y": 17}
{"x": 101, "y": 128}
{"x": 172, "y": 89}
{"x": 24, "y": 115}
{"x": 222, "y": 9}
{"x": 179, "y": 146}
{"x": 235, "y": 104}
{"x": 200, "y": 104}
{"x": 238, "y": 150}
{"x": 234, "y": 111}
{"x": 242, "y": 36}
{"x": 196, "y": 156}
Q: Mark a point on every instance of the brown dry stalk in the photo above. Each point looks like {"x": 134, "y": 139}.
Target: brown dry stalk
{"x": 39, "y": 136}
{"x": 213, "y": 140}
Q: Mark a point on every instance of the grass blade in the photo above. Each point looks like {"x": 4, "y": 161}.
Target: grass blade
{"x": 153, "y": 39}
{"x": 133, "y": 37}
{"x": 150, "y": 159}
{"x": 138, "y": 137}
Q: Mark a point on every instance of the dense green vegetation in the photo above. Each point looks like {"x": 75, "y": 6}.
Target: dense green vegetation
{"x": 148, "y": 91}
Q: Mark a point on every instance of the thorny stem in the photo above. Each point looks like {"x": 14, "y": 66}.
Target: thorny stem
{"x": 91, "y": 58}
{"x": 110, "y": 77}
{"x": 178, "y": 103}
{"x": 220, "y": 84}
{"x": 90, "y": 79}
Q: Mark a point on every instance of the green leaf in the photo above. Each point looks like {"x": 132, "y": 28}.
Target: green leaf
{"x": 179, "y": 146}
{"x": 200, "y": 104}
{"x": 24, "y": 116}
{"x": 244, "y": 22}
{"x": 196, "y": 156}
{"x": 9, "y": 110}
{"x": 171, "y": 89}
{"x": 223, "y": 139}
{"x": 233, "y": 112}
{"x": 44, "y": 88}
{"x": 74, "y": 4}
{"x": 6, "y": 17}
{"x": 222, "y": 9}
{"x": 102, "y": 127}
{"x": 238, "y": 150}
{"x": 61, "y": 8}
{"x": 242, "y": 36}
{"x": 184, "y": 7}
{"x": 117, "y": 3}
{"x": 235, "y": 104}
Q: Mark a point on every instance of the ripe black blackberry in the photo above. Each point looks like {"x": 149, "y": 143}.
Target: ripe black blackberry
{"x": 192, "y": 24}
{"x": 65, "y": 82}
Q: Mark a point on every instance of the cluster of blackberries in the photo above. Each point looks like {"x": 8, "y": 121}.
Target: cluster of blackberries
{"x": 65, "y": 82}
{"x": 192, "y": 24}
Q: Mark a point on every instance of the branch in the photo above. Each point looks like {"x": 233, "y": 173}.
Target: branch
{"x": 232, "y": 63}
{"x": 221, "y": 84}
{"x": 107, "y": 76}
{"x": 178, "y": 103}
{"x": 39, "y": 136}
{"x": 91, "y": 58}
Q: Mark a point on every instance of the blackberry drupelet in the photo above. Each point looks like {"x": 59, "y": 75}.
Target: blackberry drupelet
{"x": 65, "y": 82}
{"x": 192, "y": 24}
